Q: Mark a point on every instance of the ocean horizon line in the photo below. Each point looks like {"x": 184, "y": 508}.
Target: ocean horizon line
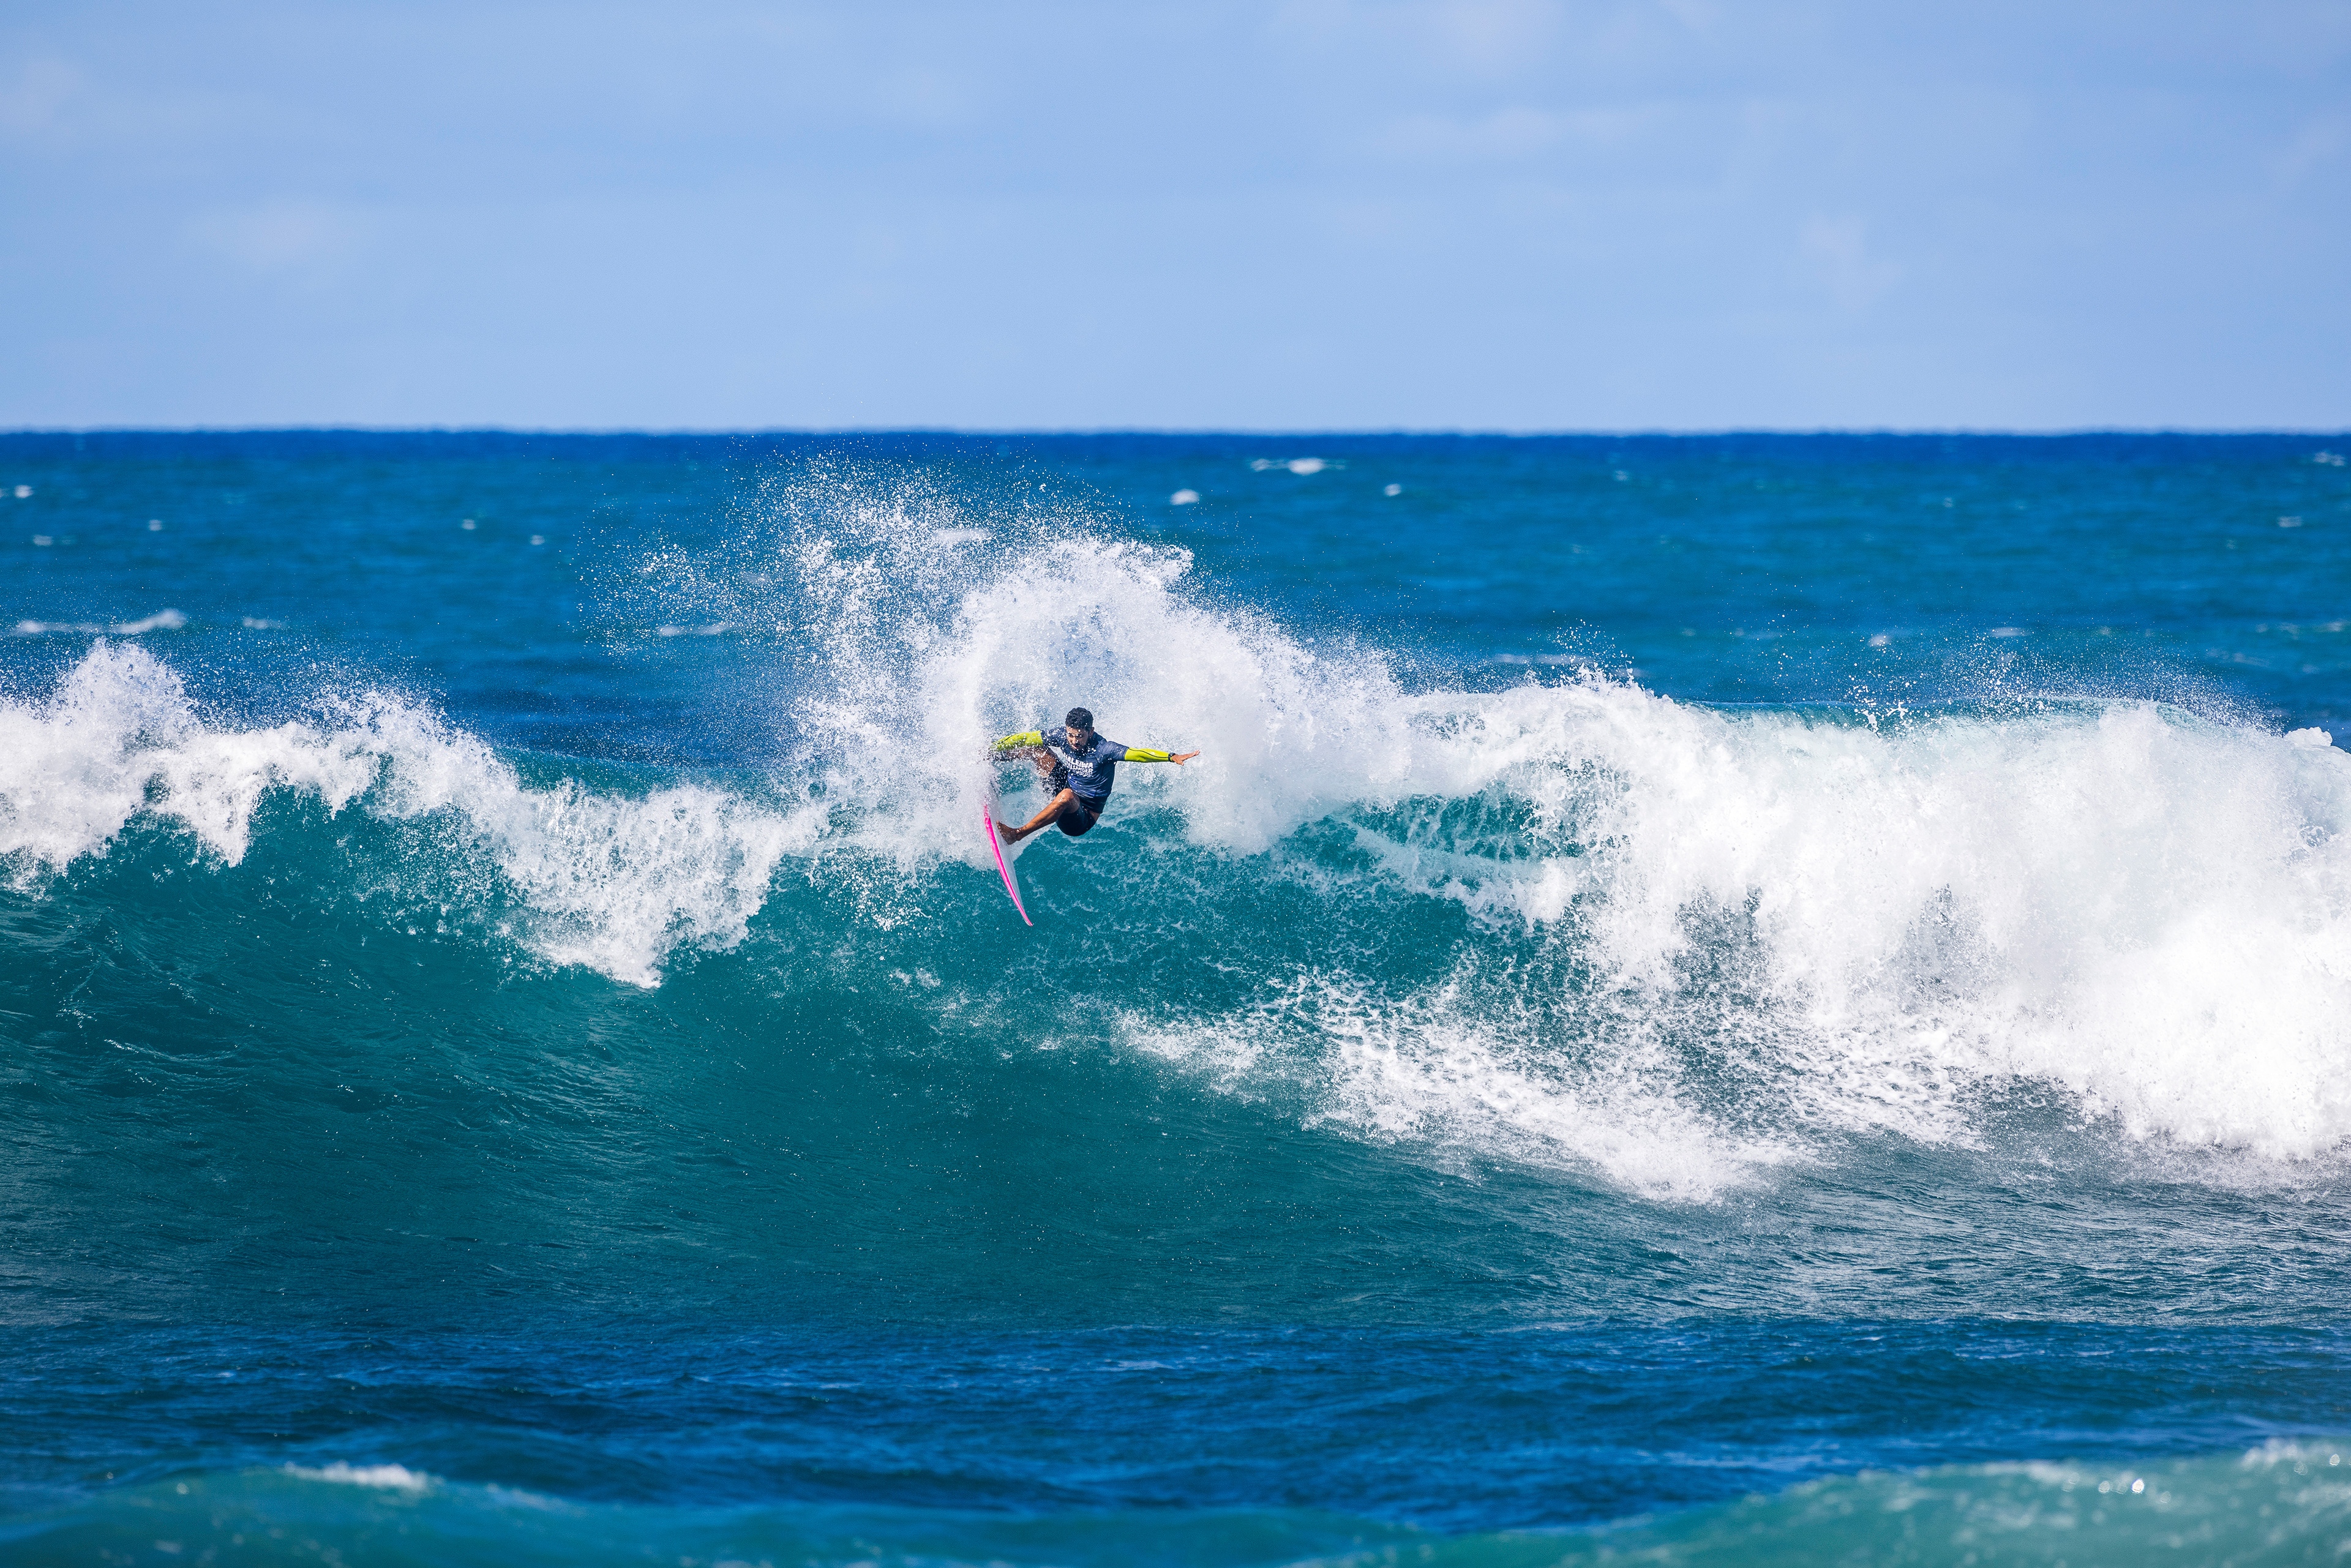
{"x": 1367, "y": 432}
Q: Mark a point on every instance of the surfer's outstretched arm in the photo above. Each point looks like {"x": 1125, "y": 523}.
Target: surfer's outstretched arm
{"x": 1029, "y": 746}
{"x": 1033, "y": 741}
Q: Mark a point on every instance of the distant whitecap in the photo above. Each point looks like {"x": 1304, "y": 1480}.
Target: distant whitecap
{"x": 2007, "y": 632}
{"x": 959, "y": 536}
{"x": 162, "y": 621}
{"x": 41, "y": 541}
{"x": 1307, "y": 465}
{"x": 539, "y": 539}
{"x": 1183, "y": 498}
{"x": 1880, "y": 641}
{"x": 468, "y": 525}
{"x": 255, "y": 623}
{"x": 24, "y": 491}
{"x": 154, "y": 525}
{"x": 391, "y": 1478}
{"x": 1392, "y": 490}
{"x": 2289, "y": 522}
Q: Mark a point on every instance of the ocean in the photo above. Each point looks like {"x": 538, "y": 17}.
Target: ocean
{"x": 1718, "y": 1000}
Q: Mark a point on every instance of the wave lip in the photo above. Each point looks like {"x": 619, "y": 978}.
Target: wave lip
{"x": 609, "y": 881}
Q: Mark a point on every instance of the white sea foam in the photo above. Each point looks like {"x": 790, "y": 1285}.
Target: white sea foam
{"x": 612, "y": 882}
{"x": 2150, "y": 910}
{"x": 1425, "y": 1073}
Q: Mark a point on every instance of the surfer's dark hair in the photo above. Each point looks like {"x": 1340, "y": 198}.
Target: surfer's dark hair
{"x": 1078, "y": 718}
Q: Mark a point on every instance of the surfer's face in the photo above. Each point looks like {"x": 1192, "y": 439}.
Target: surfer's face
{"x": 1082, "y": 737}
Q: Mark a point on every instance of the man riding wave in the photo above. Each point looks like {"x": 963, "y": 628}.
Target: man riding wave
{"x": 1080, "y": 768}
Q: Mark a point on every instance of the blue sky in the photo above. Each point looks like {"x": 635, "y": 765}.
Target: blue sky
{"x": 1505, "y": 214}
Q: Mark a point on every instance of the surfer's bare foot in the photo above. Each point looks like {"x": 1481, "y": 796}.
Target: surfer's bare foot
{"x": 1007, "y": 835}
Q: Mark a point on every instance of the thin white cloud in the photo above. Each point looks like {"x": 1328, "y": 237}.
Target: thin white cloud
{"x": 1838, "y": 250}
{"x": 34, "y": 99}
{"x": 1514, "y": 133}
{"x": 1497, "y": 35}
{"x": 281, "y": 237}
{"x": 2316, "y": 142}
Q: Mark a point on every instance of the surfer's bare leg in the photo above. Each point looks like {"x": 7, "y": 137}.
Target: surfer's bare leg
{"x": 1052, "y": 813}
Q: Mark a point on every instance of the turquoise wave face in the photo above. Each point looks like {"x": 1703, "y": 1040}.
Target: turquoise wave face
{"x": 521, "y": 1047}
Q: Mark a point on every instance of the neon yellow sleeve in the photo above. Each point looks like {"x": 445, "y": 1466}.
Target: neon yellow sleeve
{"x": 1015, "y": 742}
{"x": 1144, "y": 754}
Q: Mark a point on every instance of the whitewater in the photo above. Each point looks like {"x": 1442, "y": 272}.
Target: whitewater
{"x": 1511, "y": 1010}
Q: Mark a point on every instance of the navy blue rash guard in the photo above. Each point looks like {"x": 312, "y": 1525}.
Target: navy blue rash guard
{"x": 1089, "y": 773}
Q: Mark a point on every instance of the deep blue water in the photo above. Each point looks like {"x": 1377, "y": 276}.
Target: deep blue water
{"x": 1734, "y": 999}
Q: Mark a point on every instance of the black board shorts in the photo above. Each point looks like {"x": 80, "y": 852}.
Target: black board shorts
{"x": 1077, "y": 817}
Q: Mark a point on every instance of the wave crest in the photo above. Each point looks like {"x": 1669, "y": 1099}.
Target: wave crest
{"x": 612, "y": 881}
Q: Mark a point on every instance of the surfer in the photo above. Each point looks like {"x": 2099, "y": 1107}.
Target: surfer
{"x": 1079, "y": 765}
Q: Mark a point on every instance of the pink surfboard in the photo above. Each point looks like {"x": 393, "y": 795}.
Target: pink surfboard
{"x": 987, "y": 821}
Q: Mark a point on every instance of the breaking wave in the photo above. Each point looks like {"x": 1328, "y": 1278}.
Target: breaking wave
{"x": 1571, "y": 924}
